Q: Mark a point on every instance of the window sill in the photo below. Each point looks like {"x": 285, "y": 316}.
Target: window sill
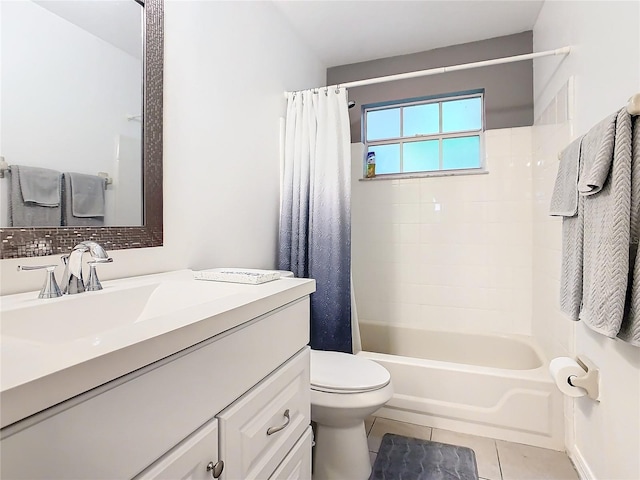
{"x": 440, "y": 173}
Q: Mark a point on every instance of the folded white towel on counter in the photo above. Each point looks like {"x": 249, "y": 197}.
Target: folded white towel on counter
{"x": 237, "y": 275}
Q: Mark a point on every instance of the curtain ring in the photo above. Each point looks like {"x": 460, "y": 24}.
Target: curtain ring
{"x": 337, "y": 88}
{"x": 326, "y": 91}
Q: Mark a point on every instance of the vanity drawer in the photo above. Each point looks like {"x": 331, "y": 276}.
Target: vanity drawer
{"x": 259, "y": 430}
{"x": 297, "y": 465}
{"x": 189, "y": 459}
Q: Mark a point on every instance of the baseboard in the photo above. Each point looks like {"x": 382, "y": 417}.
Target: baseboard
{"x": 581, "y": 465}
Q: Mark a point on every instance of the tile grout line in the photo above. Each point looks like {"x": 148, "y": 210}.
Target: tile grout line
{"x": 495, "y": 444}
{"x": 369, "y": 433}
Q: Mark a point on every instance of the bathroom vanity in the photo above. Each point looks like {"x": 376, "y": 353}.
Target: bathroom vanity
{"x": 159, "y": 376}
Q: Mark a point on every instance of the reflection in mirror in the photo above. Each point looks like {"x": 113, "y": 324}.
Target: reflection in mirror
{"x": 72, "y": 104}
{"x": 73, "y": 109}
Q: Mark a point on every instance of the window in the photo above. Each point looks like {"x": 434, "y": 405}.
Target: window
{"x": 429, "y": 135}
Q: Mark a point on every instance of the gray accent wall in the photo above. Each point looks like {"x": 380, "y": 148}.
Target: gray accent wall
{"x": 508, "y": 88}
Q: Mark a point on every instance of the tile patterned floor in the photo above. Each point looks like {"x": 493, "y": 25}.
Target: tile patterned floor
{"x": 497, "y": 460}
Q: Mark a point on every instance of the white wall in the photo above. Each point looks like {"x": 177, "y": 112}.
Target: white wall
{"x": 226, "y": 66}
{"x": 555, "y": 333}
{"x": 448, "y": 253}
{"x": 605, "y": 66}
{"x": 65, "y": 97}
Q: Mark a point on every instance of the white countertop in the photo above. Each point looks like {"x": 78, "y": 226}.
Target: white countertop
{"x": 46, "y": 367}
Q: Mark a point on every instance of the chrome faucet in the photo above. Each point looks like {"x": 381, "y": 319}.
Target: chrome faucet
{"x": 72, "y": 281}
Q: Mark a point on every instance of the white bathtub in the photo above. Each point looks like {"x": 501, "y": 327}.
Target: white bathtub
{"x": 495, "y": 386}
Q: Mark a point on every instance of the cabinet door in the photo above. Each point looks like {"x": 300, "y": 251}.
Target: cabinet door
{"x": 258, "y": 431}
{"x": 297, "y": 465}
{"x": 190, "y": 459}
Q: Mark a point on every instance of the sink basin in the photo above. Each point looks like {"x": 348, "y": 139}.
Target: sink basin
{"x": 91, "y": 314}
{"x": 67, "y": 318}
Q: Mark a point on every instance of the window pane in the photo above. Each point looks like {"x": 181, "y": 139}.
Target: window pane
{"x": 383, "y": 124}
{"x": 387, "y": 158}
{"x": 461, "y": 153}
{"x": 421, "y": 120}
{"x": 459, "y": 115}
{"x": 421, "y": 156}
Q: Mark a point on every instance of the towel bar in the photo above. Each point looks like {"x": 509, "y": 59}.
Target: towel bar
{"x": 633, "y": 107}
{"x": 5, "y": 167}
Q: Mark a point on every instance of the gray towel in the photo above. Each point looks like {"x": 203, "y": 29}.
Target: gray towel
{"x": 87, "y": 195}
{"x": 564, "y": 200}
{"x": 607, "y": 212}
{"x": 630, "y": 328}
{"x": 40, "y": 207}
{"x": 39, "y": 185}
{"x": 599, "y": 162}
{"x": 83, "y": 199}
{"x": 571, "y": 270}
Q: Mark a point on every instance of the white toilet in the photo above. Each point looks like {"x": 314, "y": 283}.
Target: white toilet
{"x": 345, "y": 389}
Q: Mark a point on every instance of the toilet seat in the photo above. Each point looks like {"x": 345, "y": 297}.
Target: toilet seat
{"x": 336, "y": 372}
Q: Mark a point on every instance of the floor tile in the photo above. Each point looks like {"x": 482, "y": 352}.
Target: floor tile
{"x": 368, "y": 423}
{"x": 523, "y": 462}
{"x": 383, "y": 425}
{"x": 372, "y": 456}
{"x": 484, "y": 448}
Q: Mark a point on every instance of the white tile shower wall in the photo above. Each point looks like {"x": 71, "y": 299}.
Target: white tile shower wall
{"x": 551, "y": 134}
{"x": 448, "y": 253}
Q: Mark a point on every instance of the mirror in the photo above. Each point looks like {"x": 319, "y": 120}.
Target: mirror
{"x": 138, "y": 223}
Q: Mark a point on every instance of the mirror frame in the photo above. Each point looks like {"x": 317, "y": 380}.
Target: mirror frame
{"x": 39, "y": 241}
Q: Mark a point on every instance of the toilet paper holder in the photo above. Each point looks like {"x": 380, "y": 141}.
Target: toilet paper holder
{"x": 590, "y": 381}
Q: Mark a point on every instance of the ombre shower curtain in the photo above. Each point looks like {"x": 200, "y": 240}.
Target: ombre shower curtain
{"x": 315, "y": 219}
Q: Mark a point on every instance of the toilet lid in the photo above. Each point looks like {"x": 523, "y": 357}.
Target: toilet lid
{"x": 345, "y": 373}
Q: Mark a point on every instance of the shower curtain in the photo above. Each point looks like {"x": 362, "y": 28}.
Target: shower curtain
{"x": 315, "y": 219}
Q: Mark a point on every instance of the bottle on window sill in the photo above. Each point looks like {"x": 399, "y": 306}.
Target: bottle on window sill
{"x": 371, "y": 165}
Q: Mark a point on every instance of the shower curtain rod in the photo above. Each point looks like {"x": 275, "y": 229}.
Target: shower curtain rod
{"x": 453, "y": 68}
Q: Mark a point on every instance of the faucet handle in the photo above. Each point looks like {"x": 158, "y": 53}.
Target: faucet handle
{"x": 65, "y": 276}
{"x": 50, "y": 287}
{"x": 93, "y": 283}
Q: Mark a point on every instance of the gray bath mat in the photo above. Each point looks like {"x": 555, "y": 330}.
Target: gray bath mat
{"x": 404, "y": 458}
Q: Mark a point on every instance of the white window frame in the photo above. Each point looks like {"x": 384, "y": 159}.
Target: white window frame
{"x": 421, "y": 138}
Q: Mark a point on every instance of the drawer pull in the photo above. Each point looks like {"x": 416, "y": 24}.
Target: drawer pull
{"x": 272, "y": 430}
{"x": 216, "y": 470}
